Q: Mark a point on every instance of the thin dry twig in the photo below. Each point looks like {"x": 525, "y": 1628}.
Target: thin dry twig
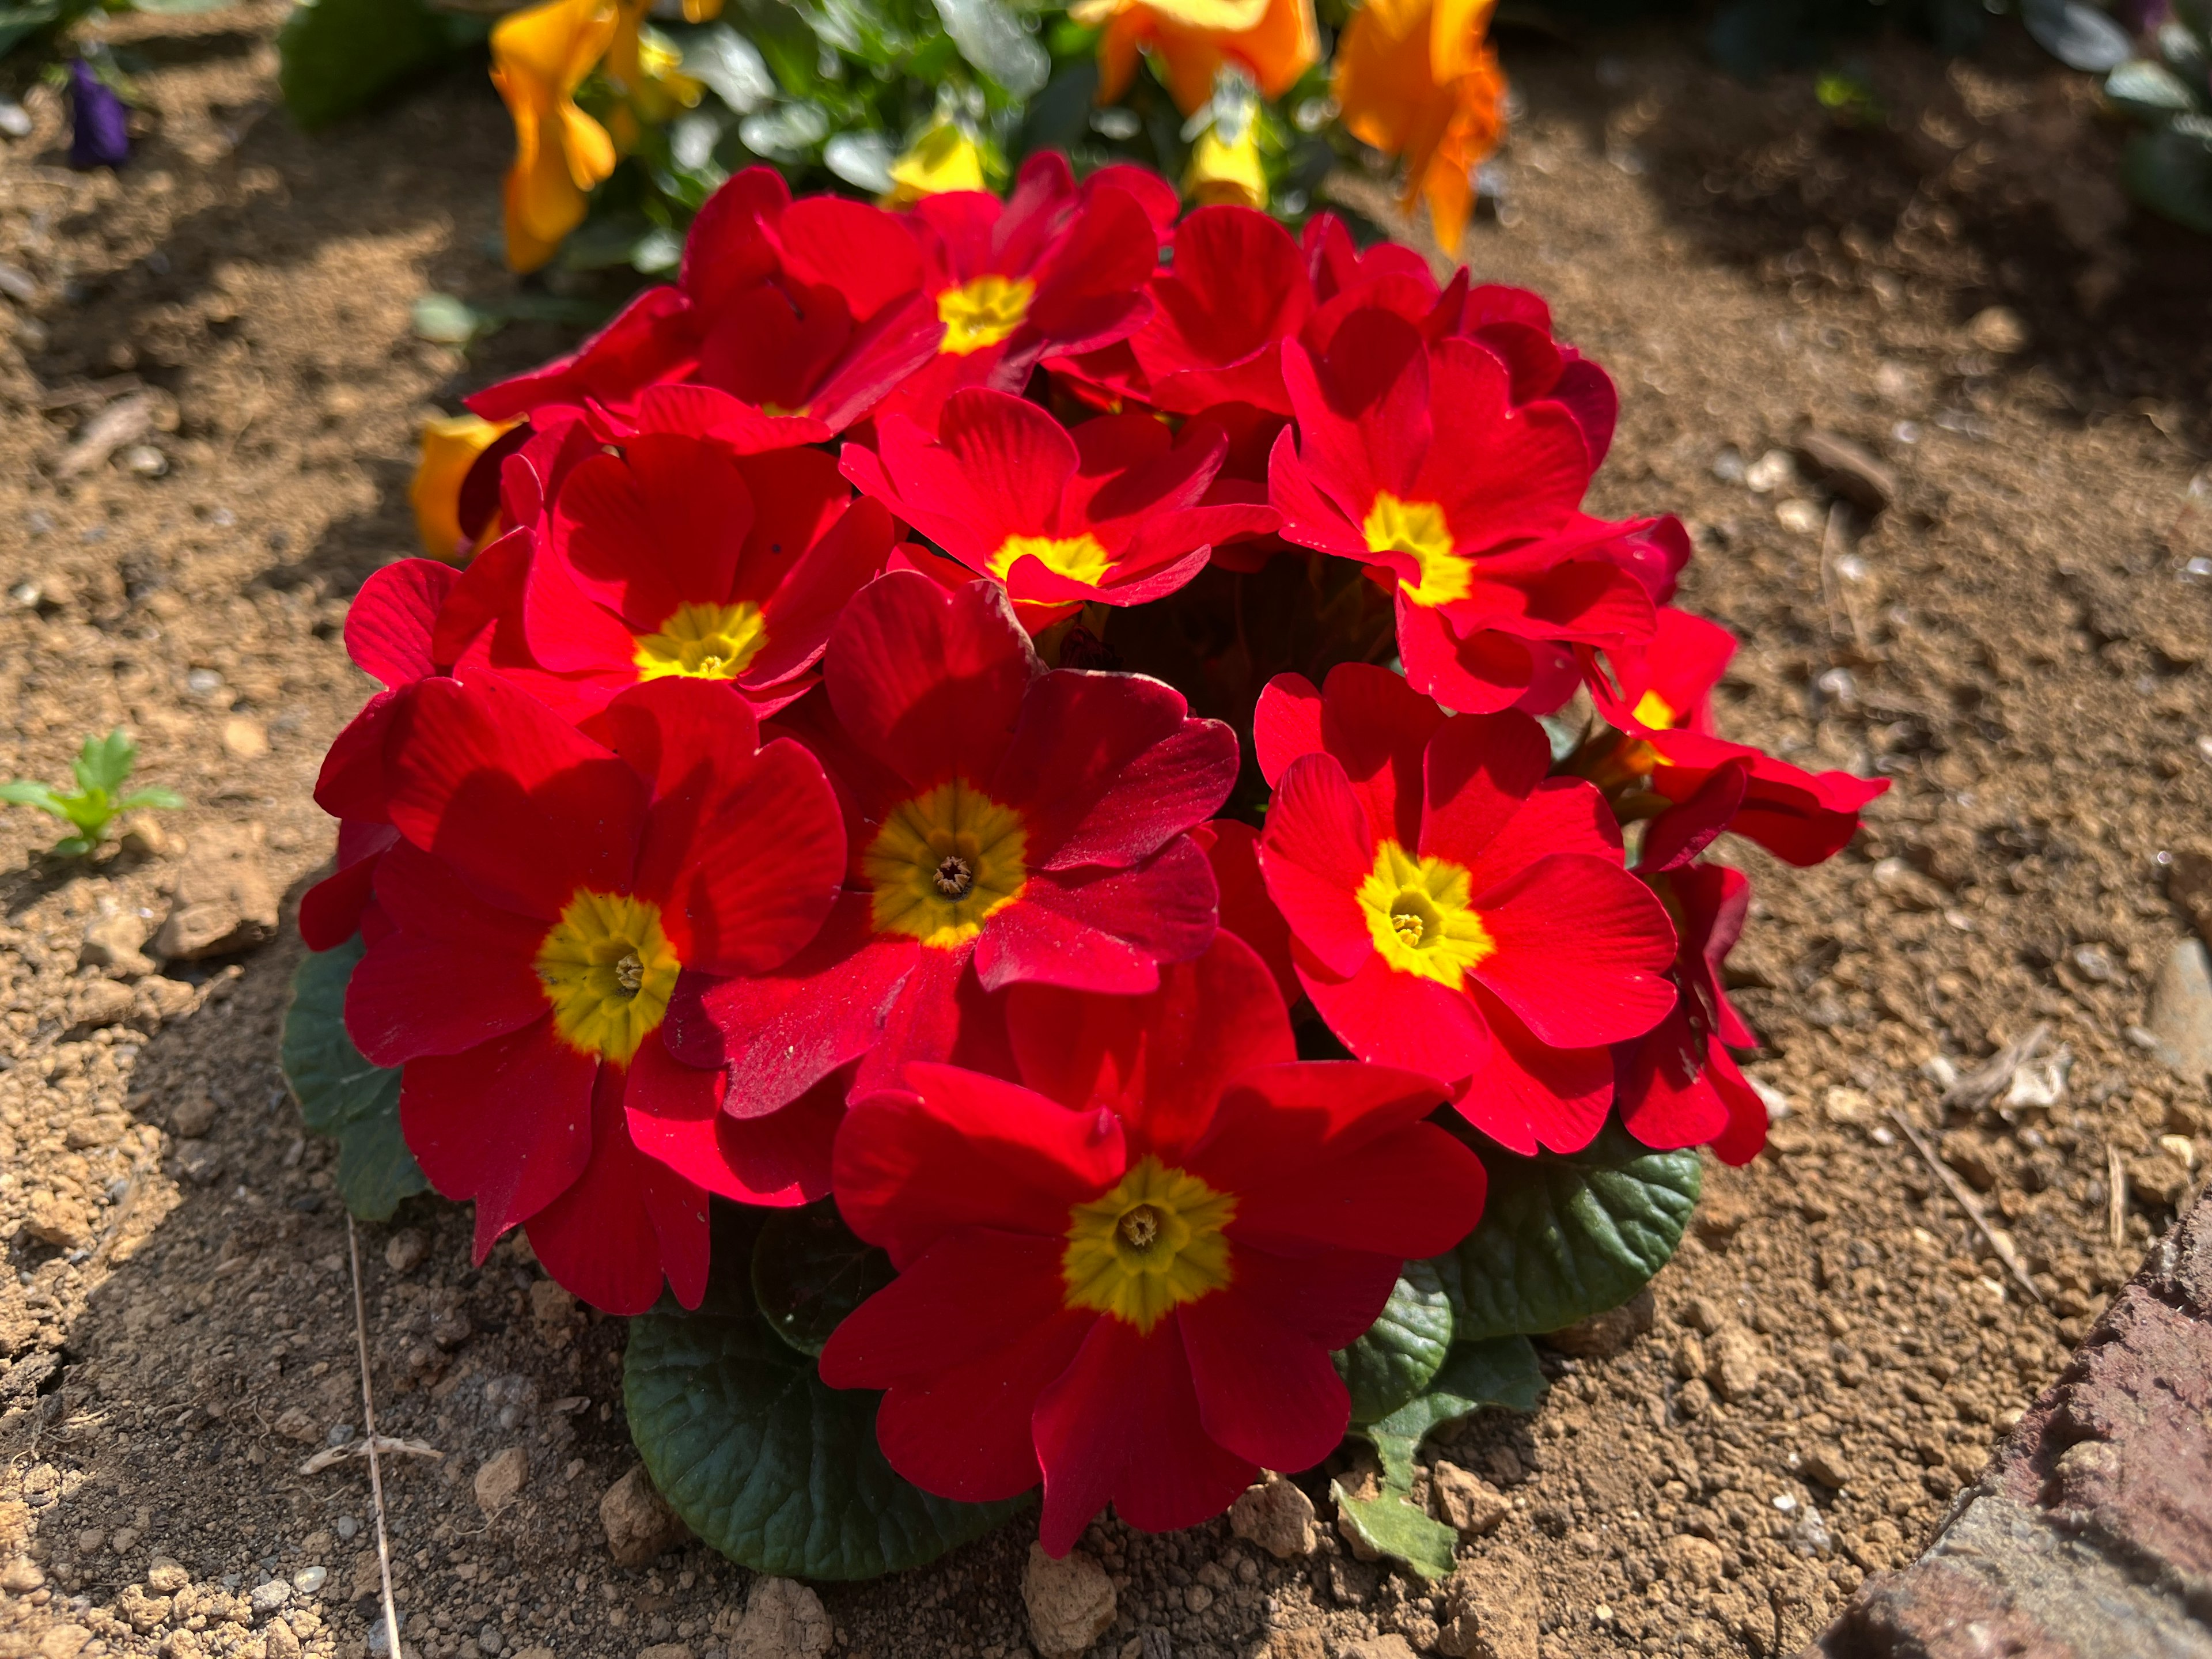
{"x": 1998, "y": 1239}
{"x": 1832, "y": 589}
{"x": 384, "y": 1443}
{"x": 2116, "y": 1196}
{"x": 368, "y": 1423}
{"x": 1979, "y": 1087}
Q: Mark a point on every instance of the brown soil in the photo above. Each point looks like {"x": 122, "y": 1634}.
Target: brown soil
{"x": 2014, "y": 643}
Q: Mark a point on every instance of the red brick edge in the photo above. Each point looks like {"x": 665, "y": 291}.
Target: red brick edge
{"x": 2089, "y": 1535}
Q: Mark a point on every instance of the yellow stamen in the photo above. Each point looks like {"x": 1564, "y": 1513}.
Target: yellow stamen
{"x": 1420, "y": 528}
{"x": 1653, "y": 711}
{"x": 1079, "y": 558}
{"x": 1418, "y": 915}
{"x": 703, "y": 642}
{"x": 944, "y": 863}
{"x": 982, "y": 312}
{"x": 608, "y": 970}
{"x": 1151, "y": 1242}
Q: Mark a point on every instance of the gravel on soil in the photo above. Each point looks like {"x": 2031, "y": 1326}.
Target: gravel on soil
{"x": 1997, "y": 595}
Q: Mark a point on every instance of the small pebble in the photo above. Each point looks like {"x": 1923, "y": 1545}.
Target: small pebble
{"x": 339, "y": 1435}
{"x": 347, "y": 1526}
{"x": 268, "y": 1597}
{"x": 203, "y": 681}
{"x": 308, "y": 1580}
{"x": 15, "y": 119}
{"x": 144, "y": 461}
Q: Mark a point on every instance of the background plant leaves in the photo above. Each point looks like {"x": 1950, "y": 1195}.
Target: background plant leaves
{"x": 765, "y": 1461}
{"x": 1403, "y": 1350}
{"x": 337, "y": 56}
{"x": 341, "y": 1094}
{"x": 1563, "y": 1237}
{"x": 1501, "y": 1370}
{"x": 809, "y": 1270}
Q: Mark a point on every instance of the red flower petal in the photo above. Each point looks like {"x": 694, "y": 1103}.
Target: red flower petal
{"x": 927, "y": 681}
{"x": 627, "y": 1222}
{"x": 1285, "y": 724}
{"x": 1376, "y": 725}
{"x": 970, "y": 1294}
{"x": 675, "y": 1115}
{"x": 507, "y": 1123}
{"x": 388, "y": 626}
{"x": 1668, "y": 1097}
{"x": 525, "y": 807}
{"x": 1477, "y": 673}
{"x": 870, "y": 257}
{"x": 1527, "y": 1095}
{"x": 1266, "y": 1390}
{"x": 1393, "y": 1018}
{"x": 1581, "y": 951}
{"x": 1159, "y": 1061}
{"x": 1246, "y": 909}
{"x": 1316, "y": 850}
{"x": 1102, "y": 929}
{"x": 967, "y": 1151}
{"x": 1416, "y": 1192}
{"x": 1121, "y": 1424}
{"x": 330, "y": 910}
{"x": 1333, "y": 1295}
{"x": 1478, "y": 772}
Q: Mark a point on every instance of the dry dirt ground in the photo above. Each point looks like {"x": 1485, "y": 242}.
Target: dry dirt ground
{"x": 2019, "y": 643}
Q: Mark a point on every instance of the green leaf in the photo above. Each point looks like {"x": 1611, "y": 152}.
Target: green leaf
{"x": 444, "y": 319}
{"x": 1392, "y": 1527}
{"x": 89, "y": 810}
{"x": 1500, "y": 1371}
{"x": 341, "y": 1094}
{"x": 764, "y": 1460}
{"x": 176, "y": 7}
{"x": 73, "y": 847}
{"x": 2170, "y": 173}
{"x": 105, "y": 763}
{"x": 24, "y": 792}
{"x": 2149, "y": 90}
{"x": 731, "y": 67}
{"x": 336, "y": 56}
{"x": 809, "y": 1271}
{"x": 991, "y": 38}
{"x": 138, "y": 798}
{"x": 1563, "y": 1237}
{"x": 1403, "y": 1348}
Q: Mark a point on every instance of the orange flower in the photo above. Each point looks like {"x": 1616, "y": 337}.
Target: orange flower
{"x": 450, "y": 448}
{"x": 1276, "y": 40}
{"x": 539, "y": 57}
{"x": 1416, "y": 78}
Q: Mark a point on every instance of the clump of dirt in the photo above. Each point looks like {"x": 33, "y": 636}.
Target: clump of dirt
{"x": 2016, "y": 639}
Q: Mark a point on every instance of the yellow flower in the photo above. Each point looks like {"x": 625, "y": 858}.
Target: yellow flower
{"x": 1416, "y": 78}
{"x": 1225, "y": 164}
{"x": 944, "y": 158}
{"x": 701, "y": 11}
{"x": 450, "y": 448}
{"x": 539, "y": 57}
{"x": 1275, "y": 40}
{"x": 643, "y": 68}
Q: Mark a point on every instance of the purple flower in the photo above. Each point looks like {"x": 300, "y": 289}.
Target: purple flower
{"x": 99, "y": 133}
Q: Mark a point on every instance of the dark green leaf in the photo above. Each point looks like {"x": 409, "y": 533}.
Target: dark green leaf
{"x": 341, "y": 1094}
{"x": 1500, "y": 1371}
{"x": 764, "y": 1461}
{"x": 2170, "y": 173}
{"x": 337, "y": 55}
{"x": 1392, "y": 1527}
{"x": 1402, "y": 1349}
{"x": 1564, "y": 1236}
{"x": 809, "y": 1271}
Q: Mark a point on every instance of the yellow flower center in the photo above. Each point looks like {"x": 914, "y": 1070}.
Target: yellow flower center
{"x": 1151, "y": 1241}
{"x": 608, "y": 970}
{"x": 1652, "y": 710}
{"x": 1420, "y": 528}
{"x": 944, "y": 863}
{"x": 702, "y": 642}
{"x": 982, "y": 312}
{"x": 1079, "y": 558}
{"x": 1418, "y": 915}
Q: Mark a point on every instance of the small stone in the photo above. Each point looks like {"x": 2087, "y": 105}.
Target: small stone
{"x": 277, "y": 1641}
{"x": 1905, "y": 887}
{"x": 1769, "y": 472}
{"x": 98, "y": 1004}
{"x": 165, "y": 1577}
{"x": 1693, "y": 1560}
{"x": 1197, "y": 1598}
{"x": 1702, "y": 1314}
{"x": 270, "y": 1597}
{"x": 142, "y": 1611}
{"x": 2160, "y": 1176}
{"x": 1071, "y": 1602}
{"x": 295, "y": 1424}
{"x": 142, "y": 460}
{"x": 144, "y": 838}
{"x": 499, "y": 1481}
{"x": 111, "y": 944}
{"x": 198, "y": 1163}
{"x": 1737, "y": 1363}
{"x": 58, "y": 1219}
{"x": 1276, "y": 1515}
{"x": 551, "y": 1306}
{"x": 347, "y": 1526}
{"x": 639, "y": 1524}
{"x": 159, "y": 1000}
{"x": 404, "y": 1250}
{"x": 1604, "y": 1335}
{"x": 1389, "y": 1646}
{"x": 1693, "y": 1399}
{"x": 223, "y": 899}
{"x": 124, "y": 1539}
{"x": 62, "y": 1642}
{"x": 1488, "y": 1609}
{"x": 1802, "y": 517}
{"x": 21, "y": 1577}
{"x": 308, "y": 1580}
{"x": 2000, "y": 329}
{"x": 1852, "y": 469}
{"x": 664, "y": 1650}
{"x": 1466, "y": 1503}
{"x": 95, "y": 1130}
{"x": 2181, "y": 1010}
{"x": 246, "y": 738}
{"x": 783, "y": 1619}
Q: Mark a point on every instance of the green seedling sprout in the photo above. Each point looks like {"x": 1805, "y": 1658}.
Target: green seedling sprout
{"x": 103, "y": 767}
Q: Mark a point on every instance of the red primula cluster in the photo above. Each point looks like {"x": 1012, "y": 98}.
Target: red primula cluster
{"x": 762, "y": 813}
